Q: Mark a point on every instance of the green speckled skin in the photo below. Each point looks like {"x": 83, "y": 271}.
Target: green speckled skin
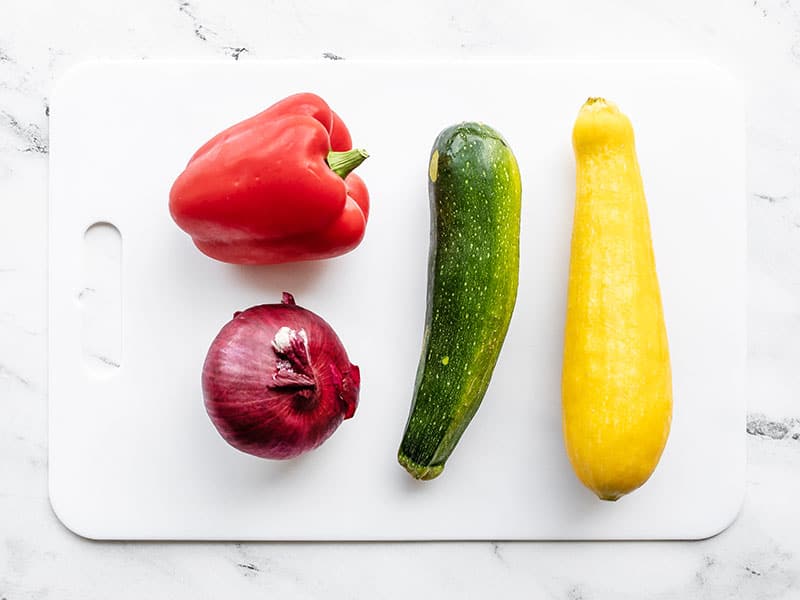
{"x": 473, "y": 270}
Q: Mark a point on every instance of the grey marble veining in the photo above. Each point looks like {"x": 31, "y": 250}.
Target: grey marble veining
{"x": 759, "y": 41}
{"x": 777, "y": 430}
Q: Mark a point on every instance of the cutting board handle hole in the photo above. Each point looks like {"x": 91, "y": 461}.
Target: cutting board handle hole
{"x": 99, "y": 298}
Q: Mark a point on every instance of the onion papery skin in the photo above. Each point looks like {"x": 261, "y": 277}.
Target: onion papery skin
{"x": 277, "y": 381}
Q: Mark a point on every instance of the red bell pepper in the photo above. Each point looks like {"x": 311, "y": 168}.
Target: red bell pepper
{"x": 275, "y": 188}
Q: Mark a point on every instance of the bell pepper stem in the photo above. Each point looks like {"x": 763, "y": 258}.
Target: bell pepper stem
{"x": 343, "y": 163}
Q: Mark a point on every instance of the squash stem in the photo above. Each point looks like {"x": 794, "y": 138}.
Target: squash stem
{"x": 422, "y": 472}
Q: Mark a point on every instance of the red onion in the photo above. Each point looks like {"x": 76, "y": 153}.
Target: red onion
{"x": 277, "y": 381}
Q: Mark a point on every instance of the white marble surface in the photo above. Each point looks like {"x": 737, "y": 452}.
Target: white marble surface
{"x": 758, "y": 557}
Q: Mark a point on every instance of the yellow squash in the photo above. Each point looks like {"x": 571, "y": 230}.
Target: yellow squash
{"x": 616, "y": 379}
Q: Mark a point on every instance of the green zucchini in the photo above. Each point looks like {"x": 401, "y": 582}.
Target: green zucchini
{"x": 473, "y": 270}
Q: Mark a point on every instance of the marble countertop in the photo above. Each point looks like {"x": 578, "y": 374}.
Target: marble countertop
{"x": 757, "y": 40}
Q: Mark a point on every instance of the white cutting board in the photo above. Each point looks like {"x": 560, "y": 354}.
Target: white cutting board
{"x": 132, "y": 452}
